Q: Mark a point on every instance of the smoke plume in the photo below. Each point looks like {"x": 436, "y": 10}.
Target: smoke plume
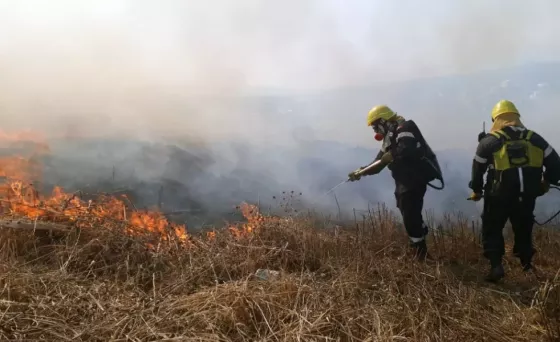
{"x": 230, "y": 100}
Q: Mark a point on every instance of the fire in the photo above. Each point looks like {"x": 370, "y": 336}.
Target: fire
{"x": 62, "y": 207}
{"x": 19, "y": 197}
{"x": 255, "y": 220}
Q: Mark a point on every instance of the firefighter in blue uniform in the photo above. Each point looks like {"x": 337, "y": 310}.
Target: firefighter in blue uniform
{"x": 514, "y": 158}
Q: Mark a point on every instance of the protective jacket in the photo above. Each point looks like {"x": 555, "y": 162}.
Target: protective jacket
{"x": 411, "y": 168}
{"x": 514, "y": 158}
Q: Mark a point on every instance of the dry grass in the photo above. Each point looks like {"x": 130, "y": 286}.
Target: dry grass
{"x": 353, "y": 284}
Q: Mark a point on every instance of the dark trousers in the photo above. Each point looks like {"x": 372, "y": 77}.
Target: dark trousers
{"x": 497, "y": 210}
{"x": 410, "y": 203}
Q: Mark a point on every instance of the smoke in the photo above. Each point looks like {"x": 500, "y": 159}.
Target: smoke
{"x": 259, "y": 89}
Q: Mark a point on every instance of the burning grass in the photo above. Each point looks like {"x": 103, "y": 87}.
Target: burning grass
{"x": 353, "y": 284}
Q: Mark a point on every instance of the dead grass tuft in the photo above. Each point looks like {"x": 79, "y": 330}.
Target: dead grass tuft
{"x": 343, "y": 284}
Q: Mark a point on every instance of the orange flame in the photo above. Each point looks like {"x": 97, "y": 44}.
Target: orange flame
{"x": 255, "y": 220}
{"x": 19, "y": 198}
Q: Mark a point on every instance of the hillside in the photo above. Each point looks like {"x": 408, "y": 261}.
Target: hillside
{"x": 449, "y": 109}
{"x": 352, "y": 283}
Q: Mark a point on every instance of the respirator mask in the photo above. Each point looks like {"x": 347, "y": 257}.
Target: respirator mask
{"x": 379, "y": 129}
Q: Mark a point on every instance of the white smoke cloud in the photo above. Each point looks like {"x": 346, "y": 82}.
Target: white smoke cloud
{"x": 165, "y": 69}
{"x": 139, "y": 65}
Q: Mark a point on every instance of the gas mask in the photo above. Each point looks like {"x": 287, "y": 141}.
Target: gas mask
{"x": 381, "y": 128}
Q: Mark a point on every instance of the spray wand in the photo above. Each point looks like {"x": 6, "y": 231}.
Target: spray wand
{"x": 377, "y": 165}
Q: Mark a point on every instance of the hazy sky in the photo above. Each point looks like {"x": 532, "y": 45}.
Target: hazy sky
{"x": 295, "y": 44}
{"x": 97, "y": 62}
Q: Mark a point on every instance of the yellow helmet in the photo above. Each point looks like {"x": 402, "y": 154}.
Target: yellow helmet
{"x": 379, "y": 112}
{"x": 502, "y": 107}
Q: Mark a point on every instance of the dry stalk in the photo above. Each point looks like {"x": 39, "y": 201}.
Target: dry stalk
{"x": 334, "y": 285}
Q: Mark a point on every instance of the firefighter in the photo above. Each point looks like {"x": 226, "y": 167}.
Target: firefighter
{"x": 413, "y": 165}
{"x": 514, "y": 158}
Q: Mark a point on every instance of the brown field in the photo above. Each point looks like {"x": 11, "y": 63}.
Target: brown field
{"x": 100, "y": 282}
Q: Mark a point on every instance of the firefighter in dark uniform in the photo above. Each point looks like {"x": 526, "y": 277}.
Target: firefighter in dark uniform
{"x": 413, "y": 165}
{"x": 514, "y": 157}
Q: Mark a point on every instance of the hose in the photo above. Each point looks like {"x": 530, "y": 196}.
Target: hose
{"x": 438, "y": 188}
{"x": 435, "y": 167}
{"x": 553, "y": 216}
{"x": 549, "y": 219}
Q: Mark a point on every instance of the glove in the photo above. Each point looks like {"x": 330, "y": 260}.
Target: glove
{"x": 475, "y": 197}
{"x": 355, "y": 175}
{"x": 545, "y": 186}
{"x": 481, "y": 136}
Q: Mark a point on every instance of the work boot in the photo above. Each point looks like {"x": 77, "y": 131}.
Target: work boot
{"x": 526, "y": 264}
{"x": 496, "y": 271}
{"x": 530, "y": 270}
{"x": 420, "y": 250}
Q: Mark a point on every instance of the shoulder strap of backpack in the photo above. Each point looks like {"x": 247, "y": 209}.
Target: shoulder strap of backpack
{"x": 501, "y": 134}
